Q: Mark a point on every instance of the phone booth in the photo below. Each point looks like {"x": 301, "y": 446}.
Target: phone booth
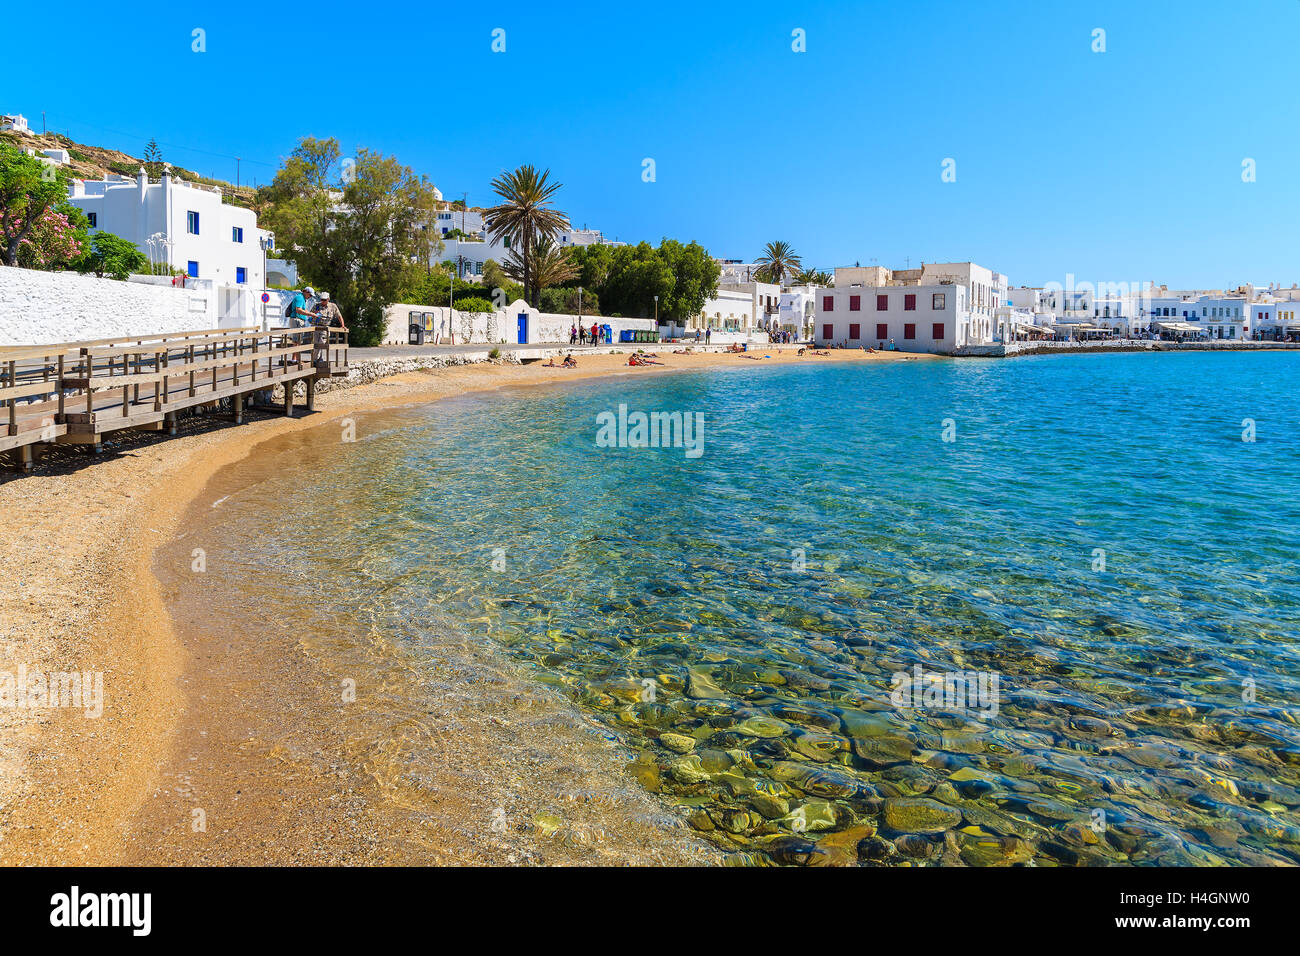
{"x": 416, "y": 330}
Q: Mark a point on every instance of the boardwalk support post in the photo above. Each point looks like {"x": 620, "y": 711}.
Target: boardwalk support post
{"x": 288, "y": 399}
{"x": 237, "y": 405}
{"x": 311, "y": 394}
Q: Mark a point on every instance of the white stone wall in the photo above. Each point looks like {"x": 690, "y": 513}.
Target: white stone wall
{"x": 40, "y": 308}
{"x": 496, "y": 328}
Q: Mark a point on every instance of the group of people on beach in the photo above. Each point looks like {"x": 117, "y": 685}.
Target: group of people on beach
{"x": 593, "y": 336}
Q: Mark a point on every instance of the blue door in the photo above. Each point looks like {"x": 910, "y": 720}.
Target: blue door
{"x": 523, "y": 328}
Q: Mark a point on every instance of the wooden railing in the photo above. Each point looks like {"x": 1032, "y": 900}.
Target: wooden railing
{"x": 76, "y": 392}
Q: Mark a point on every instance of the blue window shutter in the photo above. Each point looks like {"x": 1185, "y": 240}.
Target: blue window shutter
{"x": 193, "y": 269}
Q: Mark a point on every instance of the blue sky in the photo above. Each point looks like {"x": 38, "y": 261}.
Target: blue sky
{"x": 1121, "y": 166}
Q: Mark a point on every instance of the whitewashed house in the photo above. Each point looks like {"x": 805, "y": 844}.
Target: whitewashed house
{"x": 475, "y": 248}
{"x": 183, "y": 225}
{"x": 798, "y": 310}
{"x": 918, "y": 318}
{"x": 938, "y": 307}
{"x": 15, "y": 123}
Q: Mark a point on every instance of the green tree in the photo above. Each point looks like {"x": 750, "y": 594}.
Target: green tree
{"x": 475, "y": 304}
{"x": 812, "y": 277}
{"x": 153, "y": 161}
{"x": 28, "y": 188}
{"x": 627, "y": 278}
{"x": 595, "y": 263}
{"x": 545, "y": 264}
{"x": 112, "y": 256}
{"x": 565, "y": 300}
{"x": 494, "y": 277}
{"x": 353, "y": 228}
{"x": 525, "y": 215}
{"x": 777, "y": 259}
{"x": 638, "y": 273}
{"x": 695, "y": 279}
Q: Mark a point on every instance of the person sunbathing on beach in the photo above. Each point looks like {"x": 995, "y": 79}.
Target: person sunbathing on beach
{"x": 570, "y": 361}
{"x": 642, "y": 360}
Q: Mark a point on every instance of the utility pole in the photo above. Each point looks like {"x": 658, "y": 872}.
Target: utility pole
{"x": 237, "y": 161}
{"x": 42, "y": 122}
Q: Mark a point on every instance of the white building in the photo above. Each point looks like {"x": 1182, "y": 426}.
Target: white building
{"x": 729, "y": 310}
{"x": 15, "y": 122}
{"x": 937, "y": 308}
{"x": 185, "y": 226}
{"x": 475, "y": 248}
{"x": 1214, "y": 315}
{"x": 1279, "y": 321}
{"x": 919, "y": 318}
{"x": 862, "y": 275}
{"x": 736, "y": 271}
{"x": 798, "y": 310}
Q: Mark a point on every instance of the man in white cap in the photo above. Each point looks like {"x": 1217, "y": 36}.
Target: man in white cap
{"x": 329, "y": 313}
{"x": 327, "y": 316}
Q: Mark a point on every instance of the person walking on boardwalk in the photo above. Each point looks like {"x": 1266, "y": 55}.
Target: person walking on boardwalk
{"x": 595, "y": 334}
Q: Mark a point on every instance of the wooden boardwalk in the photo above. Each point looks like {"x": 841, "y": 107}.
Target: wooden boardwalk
{"x": 77, "y": 392}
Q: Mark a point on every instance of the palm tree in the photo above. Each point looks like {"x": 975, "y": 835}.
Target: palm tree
{"x": 545, "y": 264}
{"x": 524, "y": 215}
{"x": 777, "y": 259}
{"x": 811, "y": 277}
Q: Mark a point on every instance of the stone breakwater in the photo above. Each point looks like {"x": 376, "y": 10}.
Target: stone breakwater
{"x": 1006, "y": 349}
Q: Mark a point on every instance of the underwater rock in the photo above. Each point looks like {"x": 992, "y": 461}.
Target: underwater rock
{"x": 882, "y": 751}
{"x": 677, "y": 742}
{"x": 793, "y": 851}
{"x": 773, "y": 808}
{"x": 760, "y": 726}
{"x": 688, "y": 770}
{"x": 841, "y": 848}
{"x": 701, "y": 686}
{"x": 993, "y": 850}
{"x": 919, "y": 815}
{"x": 820, "y": 747}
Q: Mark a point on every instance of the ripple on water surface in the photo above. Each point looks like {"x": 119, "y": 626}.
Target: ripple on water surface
{"x": 1098, "y": 537}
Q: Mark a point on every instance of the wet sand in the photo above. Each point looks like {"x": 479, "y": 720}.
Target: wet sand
{"x": 234, "y": 720}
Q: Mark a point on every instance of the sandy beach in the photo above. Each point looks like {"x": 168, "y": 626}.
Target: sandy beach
{"x": 183, "y": 727}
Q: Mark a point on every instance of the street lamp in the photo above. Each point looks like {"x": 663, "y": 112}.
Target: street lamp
{"x": 656, "y": 311}
{"x": 267, "y": 242}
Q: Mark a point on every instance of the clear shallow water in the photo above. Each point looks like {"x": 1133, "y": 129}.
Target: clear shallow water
{"x": 1121, "y": 733}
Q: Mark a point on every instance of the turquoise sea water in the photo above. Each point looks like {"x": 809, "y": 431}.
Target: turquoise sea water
{"x": 1095, "y": 534}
